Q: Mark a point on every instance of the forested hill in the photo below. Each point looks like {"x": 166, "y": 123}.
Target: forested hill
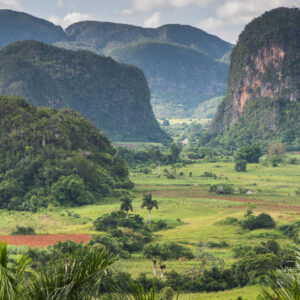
{"x": 18, "y": 26}
{"x": 106, "y": 35}
{"x": 115, "y": 97}
{"x": 263, "y": 93}
{"x": 177, "y": 75}
{"x": 53, "y": 157}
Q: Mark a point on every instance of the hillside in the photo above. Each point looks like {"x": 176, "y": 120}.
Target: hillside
{"x": 178, "y": 76}
{"x": 263, "y": 95}
{"x": 105, "y": 36}
{"x": 115, "y": 97}
{"x": 16, "y": 26}
{"x": 53, "y": 157}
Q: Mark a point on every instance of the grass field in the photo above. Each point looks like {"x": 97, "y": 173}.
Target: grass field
{"x": 186, "y": 203}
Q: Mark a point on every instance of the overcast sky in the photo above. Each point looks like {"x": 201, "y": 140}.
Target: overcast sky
{"x": 224, "y": 18}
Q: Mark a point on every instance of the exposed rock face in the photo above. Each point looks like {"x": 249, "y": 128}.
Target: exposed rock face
{"x": 264, "y": 66}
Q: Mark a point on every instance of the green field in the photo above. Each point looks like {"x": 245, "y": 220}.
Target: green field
{"x": 186, "y": 203}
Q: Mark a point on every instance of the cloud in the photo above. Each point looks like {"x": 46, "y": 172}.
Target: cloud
{"x": 183, "y": 3}
{"x": 146, "y": 5}
{"x": 153, "y": 21}
{"x": 233, "y": 15}
{"x": 70, "y": 18}
{"x": 127, "y": 12}
{"x": 10, "y": 4}
{"x": 150, "y": 5}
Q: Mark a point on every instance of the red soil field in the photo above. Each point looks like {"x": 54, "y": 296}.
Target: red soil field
{"x": 43, "y": 240}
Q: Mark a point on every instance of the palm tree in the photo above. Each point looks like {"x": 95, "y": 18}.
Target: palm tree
{"x": 126, "y": 205}
{"x": 283, "y": 284}
{"x": 162, "y": 268}
{"x": 71, "y": 277}
{"x": 11, "y": 277}
{"x": 149, "y": 204}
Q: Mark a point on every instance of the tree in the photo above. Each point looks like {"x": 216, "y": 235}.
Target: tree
{"x": 174, "y": 153}
{"x": 162, "y": 269}
{"x": 71, "y": 277}
{"x": 250, "y": 153}
{"x": 276, "y": 149}
{"x": 241, "y": 166}
{"x": 283, "y": 284}
{"x": 126, "y": 205}
{"x": 153, "y": 252}
{"x": 149, "y": 203}
{"x": 11, "y": 277}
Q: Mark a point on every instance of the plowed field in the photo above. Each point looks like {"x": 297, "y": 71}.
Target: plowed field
{"x": 44, "y": 240}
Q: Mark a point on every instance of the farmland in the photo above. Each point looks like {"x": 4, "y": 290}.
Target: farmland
{"x": 193, "y": 214}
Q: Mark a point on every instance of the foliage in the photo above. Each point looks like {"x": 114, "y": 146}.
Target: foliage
{"x": 167, "y": 251}
{"x": 276, "y": 149}
{"x": 261, "y": 221}
{"x": 250, "y": 153}
{"x": 58, "y": 157}
{"x": 11, "y": 276}
{"x": 241, "y": 166}
{"x": 226, "y": 189}
{"x": 20, "y": 230}
{"x": 149, "y": 203}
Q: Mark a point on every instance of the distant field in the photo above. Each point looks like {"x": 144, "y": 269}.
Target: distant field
{"x": 187, "y": 198}
{"x": 188, "y": 121}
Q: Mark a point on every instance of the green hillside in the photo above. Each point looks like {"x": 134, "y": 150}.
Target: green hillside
{"x": 262, "y": 103}
{"x": 53, "y": 157}
{"x": 16, "y": 26}
{"x": 115, "y": 97}
{"x": 106, "y": 35}
{"x": 177, "y": 75}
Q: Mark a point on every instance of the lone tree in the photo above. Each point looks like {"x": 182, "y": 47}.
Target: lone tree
{"x": 149, "y": 203}
{"x": 126, "y": 205}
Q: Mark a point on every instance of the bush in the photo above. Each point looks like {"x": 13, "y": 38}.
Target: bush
{"x": 260, "y": 221}
{"x": 225, "y": 189}
{"x": 24, "y": 231}
{"x": 275, "y": 160}
{"x": 209, "y": 175}
{"x": 241, "y": 166}
{"x": 249, "y": 153}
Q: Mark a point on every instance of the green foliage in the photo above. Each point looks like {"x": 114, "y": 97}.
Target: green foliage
{"x": 226, "y": 189}
{"x": 275, "y": 160}
{"x": 167, "y": 251}
{"x": 115, "y": 97}
{"x": 241, "y": 166}
{"x": 251, "y": 154}
{"x": 261, "y": 221}
{"x": 20, "y": 230}
{"x": 56, "y": 157}
{"x": 291, "y": 230}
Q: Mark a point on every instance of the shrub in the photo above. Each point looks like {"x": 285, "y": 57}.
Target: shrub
{"x": 209, "y": 175}
{"x": 275, "y": 160}
{"x": 261, "y": 221}
{"x": 249, "y": 153}
{"x": 241, "y": 166}
{"x": 24, "y": 231}
{"x": 225, "y": 189}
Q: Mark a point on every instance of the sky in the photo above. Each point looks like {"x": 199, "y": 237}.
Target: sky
{"x": 224, "y": 18}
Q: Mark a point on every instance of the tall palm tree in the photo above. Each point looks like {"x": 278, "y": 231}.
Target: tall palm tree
{"x": 11, "y": 277}
{"x": 283, "y": 284}
{"x": 126, "y": 205}
{"x": 149, "y": 203}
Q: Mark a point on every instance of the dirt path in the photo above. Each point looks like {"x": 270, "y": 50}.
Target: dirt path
{"x": 43, "y": 240}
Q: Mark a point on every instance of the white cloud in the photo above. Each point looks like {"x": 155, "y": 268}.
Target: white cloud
{"x": 183, "y": 3}
{"x": 127, "y": 12}
{"x": 150, "y": 5}
{"x": 146, "y": 5}
{"x": 232, "y": 15}
{"x": 153, "y": 21}
{"x": 70, "y": 18}
{"x": 10, "y": 4}
{"x": 60, "y": 3}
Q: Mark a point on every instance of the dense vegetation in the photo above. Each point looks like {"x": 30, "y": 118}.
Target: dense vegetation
{"x": 178, "y": 76}
{"x": 115, "y": 97}
{"x": 18, "y": 26}
{"x": 54, "y": 157}
{"x": 265, "y": 68}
